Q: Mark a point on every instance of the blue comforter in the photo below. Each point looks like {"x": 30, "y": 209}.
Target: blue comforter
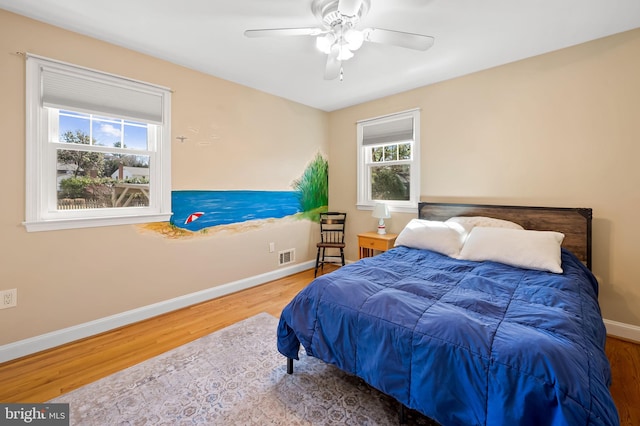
{"x": 464, "y": 343}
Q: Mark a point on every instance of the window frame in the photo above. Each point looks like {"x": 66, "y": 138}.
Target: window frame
{"x": 41, "y": 213}
{"x": 364, "y": 200}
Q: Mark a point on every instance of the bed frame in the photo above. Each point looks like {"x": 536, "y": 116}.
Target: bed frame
{"x": 574, "y": 223}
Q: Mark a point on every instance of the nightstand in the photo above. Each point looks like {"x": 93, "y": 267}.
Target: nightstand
{"x": 369, "y": 242}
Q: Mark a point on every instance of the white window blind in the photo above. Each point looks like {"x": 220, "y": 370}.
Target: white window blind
{"x": 388, "y": 131}
{"x": 73, "y": 89}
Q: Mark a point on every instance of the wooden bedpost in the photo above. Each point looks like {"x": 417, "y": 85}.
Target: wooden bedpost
{"x": 289, "y": 365}
{"x": 402, "y": 415}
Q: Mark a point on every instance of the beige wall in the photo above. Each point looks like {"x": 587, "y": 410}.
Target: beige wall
{"x": 238, "y": 138}
{"x": 561, "y": 129}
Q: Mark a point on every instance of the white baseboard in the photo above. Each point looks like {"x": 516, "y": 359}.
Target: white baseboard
{"x": 59, "y": 337}
{"x": 622, "y": 330}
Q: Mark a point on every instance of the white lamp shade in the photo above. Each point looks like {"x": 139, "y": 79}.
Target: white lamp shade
{"x": 381, "y": 211}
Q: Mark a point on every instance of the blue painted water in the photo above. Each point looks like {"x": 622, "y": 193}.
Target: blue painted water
{"x": 227, "y": 207}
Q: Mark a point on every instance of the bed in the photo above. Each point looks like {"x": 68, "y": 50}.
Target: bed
{"x": 468, "y": 340}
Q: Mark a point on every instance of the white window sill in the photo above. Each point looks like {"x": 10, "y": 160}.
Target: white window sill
{"x": 58, "y": 224}
{"x": 398, "y": 209}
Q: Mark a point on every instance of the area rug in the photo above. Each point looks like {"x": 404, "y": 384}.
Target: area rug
{"x": 234, "y": 376}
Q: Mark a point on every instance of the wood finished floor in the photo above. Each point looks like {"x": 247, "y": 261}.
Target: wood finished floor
{"x": 45, "y": 375}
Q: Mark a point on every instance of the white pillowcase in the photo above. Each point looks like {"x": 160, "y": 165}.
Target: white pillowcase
{"x": 442, "y": 237}
{"x": 470, "y": 222}
{"x": 538, "y": 250}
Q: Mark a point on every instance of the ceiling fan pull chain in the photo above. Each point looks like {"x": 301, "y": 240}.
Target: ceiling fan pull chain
{"x": 341, "y": 74}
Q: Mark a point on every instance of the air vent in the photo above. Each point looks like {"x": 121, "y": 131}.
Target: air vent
{"x": 286, "y": 256}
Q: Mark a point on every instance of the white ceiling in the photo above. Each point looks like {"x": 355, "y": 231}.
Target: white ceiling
{"x": 207, "y": 35}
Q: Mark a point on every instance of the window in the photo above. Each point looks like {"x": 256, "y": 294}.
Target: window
{"x": 98, "y": 148}
{"x": 389, "y": 161}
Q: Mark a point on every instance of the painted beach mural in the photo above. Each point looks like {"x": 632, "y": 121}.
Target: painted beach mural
{"x": 197, "y": 211}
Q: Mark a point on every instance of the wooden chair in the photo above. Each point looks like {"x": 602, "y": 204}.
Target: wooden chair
{"x": 332, "y": 226}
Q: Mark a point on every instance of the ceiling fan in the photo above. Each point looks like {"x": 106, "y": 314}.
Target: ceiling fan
{"x": 338, "y": 35}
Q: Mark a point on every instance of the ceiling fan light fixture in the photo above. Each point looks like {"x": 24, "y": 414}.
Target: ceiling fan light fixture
{"x": 354, "y": 39}
{"x": 344, "y": 54}
{"x": 324, "y": 42}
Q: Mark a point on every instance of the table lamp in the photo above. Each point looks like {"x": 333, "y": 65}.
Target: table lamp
{"x": 381, "y": 211}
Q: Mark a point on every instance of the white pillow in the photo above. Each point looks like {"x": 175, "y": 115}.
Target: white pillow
{"x": 538, "y": 250}
{"x": 470, "y": 222}
{"x": 445, "y": 238}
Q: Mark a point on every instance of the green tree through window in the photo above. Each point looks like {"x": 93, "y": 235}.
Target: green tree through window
{"x": 84, "y": 162}
{"x": 390, "y": 182}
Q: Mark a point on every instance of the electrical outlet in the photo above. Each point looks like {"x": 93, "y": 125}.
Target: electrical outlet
{"x": 8, "y": 298}
{"x": 272, "y": 247}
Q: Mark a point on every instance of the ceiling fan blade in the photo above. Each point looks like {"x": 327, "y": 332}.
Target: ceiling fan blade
{"x": 398, "y": 38}
{"x": 332, "y": 69}
{"x": 349, "y": 7}
{"x": 278, "y": 32}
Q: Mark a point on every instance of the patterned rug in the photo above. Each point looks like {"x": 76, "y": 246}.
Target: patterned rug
{"x": 234, "y": 376}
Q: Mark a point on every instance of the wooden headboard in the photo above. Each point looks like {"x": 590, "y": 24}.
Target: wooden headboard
{"x": 574, "y": 223}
